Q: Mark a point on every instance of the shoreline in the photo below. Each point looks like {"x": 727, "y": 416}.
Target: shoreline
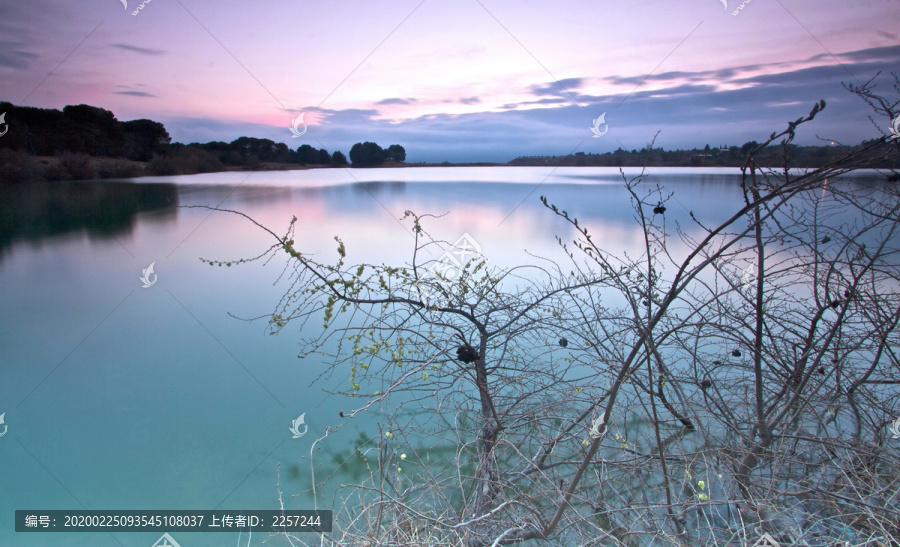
{"x": 25, "y": 168}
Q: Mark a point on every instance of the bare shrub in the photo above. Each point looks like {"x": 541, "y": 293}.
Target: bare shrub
{"x": 724, "y": 382}
{"x": 76, "y": 166}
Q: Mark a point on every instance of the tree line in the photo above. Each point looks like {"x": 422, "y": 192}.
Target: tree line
{"x": 81, "y": 129}
{"x": 722, "y": 156}
{"x": 80, "y": 134}
{"x": 364, "y": 154}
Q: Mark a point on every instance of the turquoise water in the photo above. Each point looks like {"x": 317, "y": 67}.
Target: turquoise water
{"x": 118, "y": 396}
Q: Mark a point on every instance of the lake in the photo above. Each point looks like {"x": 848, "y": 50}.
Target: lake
{"x": 118, "y": 396}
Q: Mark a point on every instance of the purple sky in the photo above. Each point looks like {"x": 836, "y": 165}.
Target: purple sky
{"x": 461, "y": 80}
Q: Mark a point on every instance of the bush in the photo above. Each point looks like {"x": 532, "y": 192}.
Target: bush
{"x": 16, "y": 167}
{"x": 338, "y": 158}
{"x": 77, "y": 166}
{"x": 117, "y": 169}
{"x": 185, "y": 161}
{"x": 365, "y": 154}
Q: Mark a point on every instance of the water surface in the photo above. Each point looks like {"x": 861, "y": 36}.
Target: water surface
{"x": 123, "y": 397}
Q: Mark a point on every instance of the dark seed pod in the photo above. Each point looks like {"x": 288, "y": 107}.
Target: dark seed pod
{"x": 717, "y": 363}
{"x": 646, "y": 302}
{"x": 821, "y": 370}
{"x": 705, "y": 384}
{"x": 835, "y": 304}
{"x": 659, "y": 209}
{"x": 826, "y": 239}
{"x": 736, "y": 353}
{"x": 466, "y": 354}
{"x": 563, "y": 342}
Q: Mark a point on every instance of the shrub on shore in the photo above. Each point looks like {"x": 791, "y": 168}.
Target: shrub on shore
{"x": 75, "y": 166}
{"x": 16, "y": 167}
{"x": 186, "y": 160}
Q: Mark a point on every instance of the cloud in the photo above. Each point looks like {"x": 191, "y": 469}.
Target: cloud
{"x": 141, "y": 50}
{"x": 13, "y": 56}
{"x": 396, "y": 101}
{"x": 559, "y": 87}
{"x": 21, "y": 33}
{"x": 548, "y": 100}
{"x": 686, "y": 109}
{"x": 134, "y": 93}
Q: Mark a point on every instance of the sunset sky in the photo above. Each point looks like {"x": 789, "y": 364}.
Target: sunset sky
{"x": 463, "y": 80}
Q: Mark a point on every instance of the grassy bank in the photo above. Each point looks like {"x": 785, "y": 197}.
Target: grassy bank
{"x": 19, "y": 167}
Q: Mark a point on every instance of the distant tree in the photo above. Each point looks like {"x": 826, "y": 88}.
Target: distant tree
{"x": 281, "y": 153}
{"x": 338, "y": 158}
{"x": 396, "y": 152}
{"x": 323, "y": 157}
{"x": 93, "y": 131}
{"x": 266, "y": 150}
{"x": 366, "y": 153}
{"x": 307, "y": 154}
{"x": 144, "y": 138}
{"x": 749, "y": 147}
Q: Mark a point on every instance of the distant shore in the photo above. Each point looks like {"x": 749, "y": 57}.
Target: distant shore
{"x": 26, "y": 168}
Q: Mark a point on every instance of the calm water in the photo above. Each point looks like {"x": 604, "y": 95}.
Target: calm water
{"x": 123, "y": 397}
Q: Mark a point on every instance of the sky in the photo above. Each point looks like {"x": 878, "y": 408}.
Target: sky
{"x": 459, "y": 80}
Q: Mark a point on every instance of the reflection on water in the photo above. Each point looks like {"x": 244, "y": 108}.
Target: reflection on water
{"x": 30, "y": 212}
